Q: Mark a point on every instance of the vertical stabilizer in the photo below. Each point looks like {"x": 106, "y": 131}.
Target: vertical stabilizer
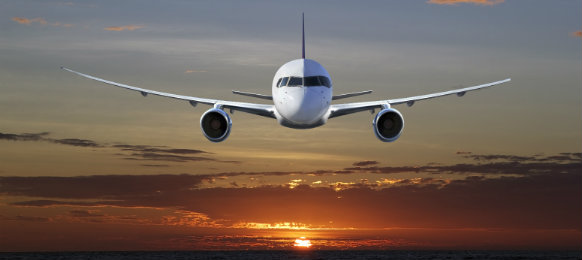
{"x": 303, "y": 36}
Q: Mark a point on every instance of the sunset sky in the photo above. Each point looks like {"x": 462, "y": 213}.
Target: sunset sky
{"x": 86, "y": 166}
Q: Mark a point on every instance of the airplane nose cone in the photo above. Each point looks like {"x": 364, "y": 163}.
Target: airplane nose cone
{"x": 310, "y": 107}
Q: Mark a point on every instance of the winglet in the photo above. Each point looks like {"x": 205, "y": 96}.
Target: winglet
{"x": 303, "y": 34}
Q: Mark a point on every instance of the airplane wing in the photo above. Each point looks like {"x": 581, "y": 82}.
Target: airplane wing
{"x": 353, "y": 94}
{"x": 252, "y": 95}
{"x": 349, "y": 108}
{"x": 257, "y": 109}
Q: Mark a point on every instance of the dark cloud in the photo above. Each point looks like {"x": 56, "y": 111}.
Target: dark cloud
{"x": 98, "y": 186}
{"x": 166, "y": 157}
{"x": 76, "y": 142}
{"x": 365, "y": 163}
{"x": 50, "y": 203}
{"x": 426, "y": 181}
{"x": 138, "y": 152}
{"x": 543, "y": 200}
{"x": 492, "y": 157}
{"x": 575, "y": 157}
{"x": 155, "y": 165}
{"x": 84, "y": 213}
{"x": 96, "y": 216}
{"x": 387, "y": 169}
{"x": 24, "y": 137}
{"x": 156, "y": 149}
{"x": 491, "y": 164}
{"x": 43, "y": 137}
{"x": 562, "y": 157}
{"x": 25, "y": 218}
{"x": 161, "y": 153}
{"x": 537, "y": 192}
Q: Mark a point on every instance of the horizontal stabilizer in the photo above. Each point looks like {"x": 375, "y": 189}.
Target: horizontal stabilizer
{"x": 347, "y": 95}
{"x": 252, "y": 95}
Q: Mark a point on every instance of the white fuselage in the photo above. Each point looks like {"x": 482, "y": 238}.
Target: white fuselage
{"x": 302, "y": 92}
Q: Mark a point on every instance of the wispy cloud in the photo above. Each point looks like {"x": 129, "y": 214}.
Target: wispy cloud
{"x": 136, "y": 152}
{"x": 43, "y": 137}
{"x": 76, "y": 142}
{"x": 156, "y": 153}
{"x": 194, "y": 71}
{"x": 123, "y": 28}
{"x": 455, "y": 2}
{"x": 24, "y": 136}
{"x": 156, "y": 149}
{"x": 490, "y": 164}
{"x": 577, "y": 34}
{"x": 168, "y": 157}
{"x": 39, "y": 20}
{"x": 22, "y": 20}
{"x": 365, "y": 163}
{"x": 25, "y": 218}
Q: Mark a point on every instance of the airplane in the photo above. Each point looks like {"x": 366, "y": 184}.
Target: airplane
{"x": 302, "y": 99}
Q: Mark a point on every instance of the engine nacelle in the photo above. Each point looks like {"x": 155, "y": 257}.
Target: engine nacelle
{"x": 215, "y": 124}
{"x": 388, "y": 125}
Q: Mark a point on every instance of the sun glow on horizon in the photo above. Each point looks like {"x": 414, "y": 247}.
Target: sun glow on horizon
{"x": 302, "y": 242}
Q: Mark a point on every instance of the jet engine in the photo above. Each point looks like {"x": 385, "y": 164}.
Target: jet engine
{"x": 388, "y": 125}
{"x": 215, "y": 124}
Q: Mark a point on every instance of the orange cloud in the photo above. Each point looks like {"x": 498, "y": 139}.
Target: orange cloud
{"x": 22, "y": 20}
{"x": 123, "y": 28}
{"x": 454, "y": 2}
{"x": 39, "y": 20}
{"x": 577, "y": 34}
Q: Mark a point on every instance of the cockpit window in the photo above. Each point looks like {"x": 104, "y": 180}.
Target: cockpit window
{"x": 324, "y": 81}
{"x": 295, "y": 82}
{"x": 284, "y": 82}
{"x": 312, "y": 81}
{"x": 317, "y": 81}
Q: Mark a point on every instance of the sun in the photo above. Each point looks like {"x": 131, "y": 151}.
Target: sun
{"x": 302, "y": 243}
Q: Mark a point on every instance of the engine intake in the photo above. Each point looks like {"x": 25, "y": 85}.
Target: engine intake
{"x": 388, "y": 125}
{"x": 215, "y": 124}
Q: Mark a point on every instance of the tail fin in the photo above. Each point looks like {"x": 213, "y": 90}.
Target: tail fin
{"x": 303, "y": 31}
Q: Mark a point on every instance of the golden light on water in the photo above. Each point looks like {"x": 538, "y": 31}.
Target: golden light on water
{"x": 302, "y": 242}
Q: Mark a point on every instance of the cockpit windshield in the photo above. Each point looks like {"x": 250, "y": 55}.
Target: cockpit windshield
{"x": 295, "y": 82}
{"x": 284, "y": 81}
{"x": 312, "y": 81}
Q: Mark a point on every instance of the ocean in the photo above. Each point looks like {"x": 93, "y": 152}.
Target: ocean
{"x": 315, "y": 254}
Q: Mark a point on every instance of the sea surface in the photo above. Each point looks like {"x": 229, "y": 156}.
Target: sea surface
{"x": 258, "y": 255}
